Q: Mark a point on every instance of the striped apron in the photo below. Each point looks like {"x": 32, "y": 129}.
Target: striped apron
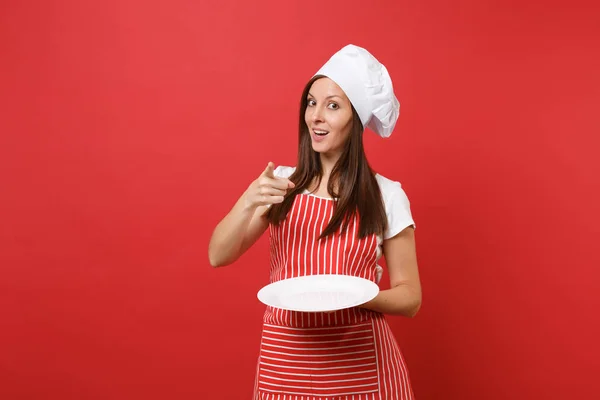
{"x": 348, "y": 354}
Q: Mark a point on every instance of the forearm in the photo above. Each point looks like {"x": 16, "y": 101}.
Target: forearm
{"x": 228, "y": 237}
{"x": 400, "y": 300}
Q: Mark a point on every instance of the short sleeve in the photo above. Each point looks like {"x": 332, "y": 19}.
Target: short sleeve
{"x": 283, "y": 171}
{"x": 397, "y": 208}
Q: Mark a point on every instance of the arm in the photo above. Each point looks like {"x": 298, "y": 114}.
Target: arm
{"x": 246, "y": 222}
{"x": 404, "y": 295}
{"x": 236, "y": 233}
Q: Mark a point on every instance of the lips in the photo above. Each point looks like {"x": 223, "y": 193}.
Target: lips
{"x": 320, "y": 132}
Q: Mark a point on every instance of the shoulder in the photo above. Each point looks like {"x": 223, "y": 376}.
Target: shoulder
{"x": 389, "y": 188}
{"x": 284, "y": 171}
{"x": 397, "y": 206}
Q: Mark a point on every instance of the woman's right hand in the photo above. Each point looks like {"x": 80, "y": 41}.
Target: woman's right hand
{"x": 267, "y": 189}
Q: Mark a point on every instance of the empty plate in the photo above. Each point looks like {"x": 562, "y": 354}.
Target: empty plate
{"x": 316, "y": 293}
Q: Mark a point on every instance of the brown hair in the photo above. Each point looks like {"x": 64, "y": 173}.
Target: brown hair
{"x": 358, "y": 190}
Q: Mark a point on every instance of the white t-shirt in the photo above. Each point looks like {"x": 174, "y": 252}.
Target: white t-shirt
{"x": 397, "y": 205}
{"x": 397, "y": 208}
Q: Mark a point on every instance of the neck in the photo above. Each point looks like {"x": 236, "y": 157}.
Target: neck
{"x": 327, "y": 163}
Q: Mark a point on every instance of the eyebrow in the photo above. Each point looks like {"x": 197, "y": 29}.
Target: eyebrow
{"x": 328, "y": 97}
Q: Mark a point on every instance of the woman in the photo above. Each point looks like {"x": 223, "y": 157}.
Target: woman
{"x": 331, "y": 214}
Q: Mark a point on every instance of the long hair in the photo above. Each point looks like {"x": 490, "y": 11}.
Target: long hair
{"x": 358, "y": 193}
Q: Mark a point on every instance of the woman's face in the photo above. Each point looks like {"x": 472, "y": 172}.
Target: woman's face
{"x": 328, "y": 117}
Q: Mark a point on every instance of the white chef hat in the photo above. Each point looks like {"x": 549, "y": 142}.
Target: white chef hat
{"x": 368, "y": 86}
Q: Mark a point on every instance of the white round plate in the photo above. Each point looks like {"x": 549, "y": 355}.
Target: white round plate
{"x": 316, "y": 293}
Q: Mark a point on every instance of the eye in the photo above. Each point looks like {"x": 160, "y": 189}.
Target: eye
{"x": 333, "y": 106}
{"x": 311, "y": 103}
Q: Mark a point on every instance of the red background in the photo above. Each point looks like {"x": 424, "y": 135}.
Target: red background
{"x": 129, "y": 128}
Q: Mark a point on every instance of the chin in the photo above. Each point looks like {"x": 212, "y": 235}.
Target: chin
{"x": 318, "y": 149}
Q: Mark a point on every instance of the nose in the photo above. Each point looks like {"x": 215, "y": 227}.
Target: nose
{"x": 317, "y": 114}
